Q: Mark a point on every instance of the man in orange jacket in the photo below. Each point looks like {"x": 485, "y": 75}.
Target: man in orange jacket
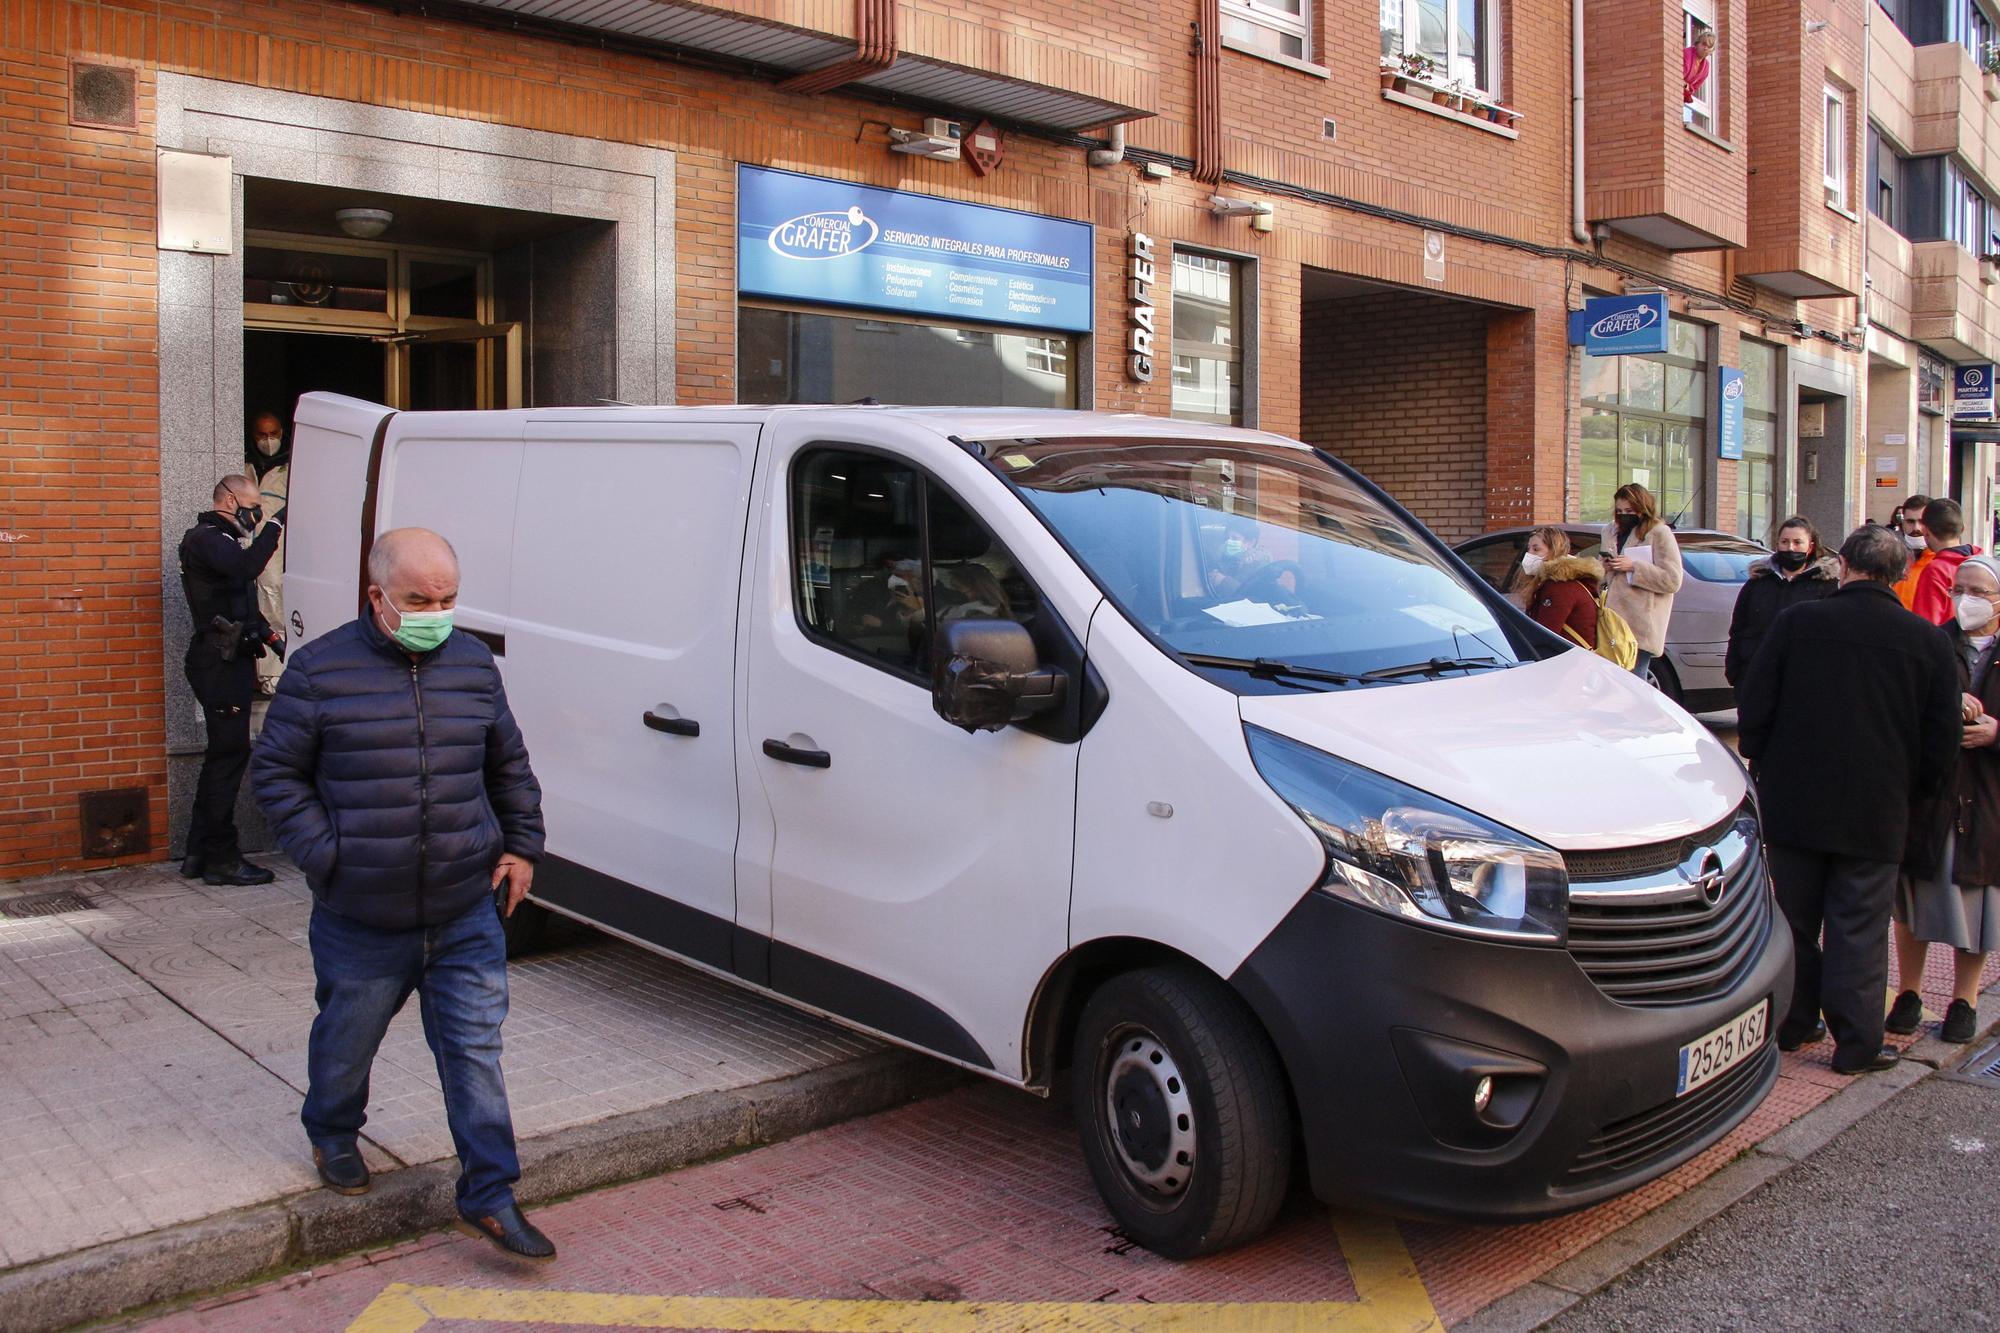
{"x": 1912, "y": 514}
{"x": 1944, "y": 526}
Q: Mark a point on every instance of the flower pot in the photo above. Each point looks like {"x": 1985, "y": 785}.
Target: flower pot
{"x": 1493, "y": 114}
{"x": 1390, "y": 79}
{"x": 1441, "y": 97}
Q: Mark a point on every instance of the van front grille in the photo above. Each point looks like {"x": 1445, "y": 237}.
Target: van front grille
{"x": 1631, "y": 1144}
{"x": 1680, "y": 952}
{"x": 1649, "y": 859}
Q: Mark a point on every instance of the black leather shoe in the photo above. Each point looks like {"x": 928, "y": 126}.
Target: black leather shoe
{"x": 1886, "y": 1058}
{"x": 512, "y": 1233}
{"x": 1906, "y": 1014}
{"x": 1961, "y": 1023}
{"x": 192, "y": 865}
{"x": 1788, "y": 1041}
{"x": 237, "y": 871}
{"x": 342, "y": 1169}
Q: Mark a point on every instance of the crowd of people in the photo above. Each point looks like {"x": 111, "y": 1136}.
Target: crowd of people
{"x": 1876, "y": 660}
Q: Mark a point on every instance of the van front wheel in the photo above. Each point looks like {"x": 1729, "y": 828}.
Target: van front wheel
{"x": 1181, "y": 1106}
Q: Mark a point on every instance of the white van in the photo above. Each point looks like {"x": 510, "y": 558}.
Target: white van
{"x": 1177, "y": 756}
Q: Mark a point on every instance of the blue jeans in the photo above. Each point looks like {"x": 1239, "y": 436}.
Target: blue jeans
{"x": 459, "y": 973}
{"x": 1640, "y": 663}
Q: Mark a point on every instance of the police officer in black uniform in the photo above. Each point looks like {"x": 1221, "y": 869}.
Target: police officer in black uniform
{"x": 219, "y": 576}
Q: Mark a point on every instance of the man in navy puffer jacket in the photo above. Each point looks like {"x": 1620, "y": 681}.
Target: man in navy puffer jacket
{"x": 395, "y": 777}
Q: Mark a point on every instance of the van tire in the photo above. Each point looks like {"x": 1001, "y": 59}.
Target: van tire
{"x": 1228, "y": 1102}
{"x": 524, "y": 930}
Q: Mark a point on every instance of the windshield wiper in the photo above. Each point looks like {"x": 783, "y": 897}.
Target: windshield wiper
{"x": 1433, "y": 667}
{"x": 1271, "y": 667}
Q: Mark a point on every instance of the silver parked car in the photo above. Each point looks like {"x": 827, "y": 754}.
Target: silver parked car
{"x": 1717, "y": 565}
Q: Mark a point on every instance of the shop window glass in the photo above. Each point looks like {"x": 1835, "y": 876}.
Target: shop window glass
{"x": 883, "y": 557}
{"x": 1270, "y": 27}
{"x": 1207, "y": 349}
{"x": 324, "y": 280}
{"x": 794, "y": 356}
{"x": 1645, "y": 384}
{"x": 1644, "y": 421}
{"x": 1757, "y": 473}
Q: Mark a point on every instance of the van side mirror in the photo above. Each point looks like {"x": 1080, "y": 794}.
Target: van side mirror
{"x": 987, "y": 676}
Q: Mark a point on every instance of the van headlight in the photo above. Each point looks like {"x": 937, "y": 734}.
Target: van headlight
{"x": 1397, "y": 850}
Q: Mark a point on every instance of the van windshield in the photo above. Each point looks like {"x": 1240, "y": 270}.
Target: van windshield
{"x": 1245, "y": 558}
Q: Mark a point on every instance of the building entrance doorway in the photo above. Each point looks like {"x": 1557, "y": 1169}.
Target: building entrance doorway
{"x": 408, "y": 326}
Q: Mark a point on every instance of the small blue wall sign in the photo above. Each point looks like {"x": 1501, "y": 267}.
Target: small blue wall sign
{"x": 1972, "y": 392}
{"x": 1621, "y": 325}
{"x": 1729, "y": 427}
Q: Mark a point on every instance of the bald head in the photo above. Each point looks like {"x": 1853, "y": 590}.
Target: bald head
{"x": 402, "y": 557}
{"x": 236, "y": 487}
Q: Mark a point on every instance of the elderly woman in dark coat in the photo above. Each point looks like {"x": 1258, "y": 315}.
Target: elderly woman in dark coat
{"x": 1947, "y": 893}
{"x": 1798, "y": 571}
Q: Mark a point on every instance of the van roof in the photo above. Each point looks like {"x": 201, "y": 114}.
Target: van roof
{"x": 971, "y": 423}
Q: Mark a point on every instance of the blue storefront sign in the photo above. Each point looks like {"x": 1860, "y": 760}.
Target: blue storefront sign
{"x": 803, "y": 238}
{"x": 1729, "y": 419}
{"x": 1972, "y": 392}
{"x": 1621, "y": 325}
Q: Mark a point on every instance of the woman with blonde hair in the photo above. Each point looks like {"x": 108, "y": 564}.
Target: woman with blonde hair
{"x": 1561, "y": 587}
{"x": 1644, "y": 563}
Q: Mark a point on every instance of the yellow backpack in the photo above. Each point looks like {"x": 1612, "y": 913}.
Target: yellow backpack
{"x": 1616, "y": 643}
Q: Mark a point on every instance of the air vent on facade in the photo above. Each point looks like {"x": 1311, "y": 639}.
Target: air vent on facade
{"x": 116, "y": 822}
{"x": 103, "y": 95}
{"x": 1330, "y": 128}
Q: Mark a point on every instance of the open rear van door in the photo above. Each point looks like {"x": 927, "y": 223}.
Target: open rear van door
{"x": 334, "y": 440}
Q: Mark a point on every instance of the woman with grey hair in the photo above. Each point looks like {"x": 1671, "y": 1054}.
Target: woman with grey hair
{"x": 1949, "y": 892}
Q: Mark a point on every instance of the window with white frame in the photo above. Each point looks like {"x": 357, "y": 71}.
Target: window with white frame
{"x": 1699, "y": 108}
{"x": 1048, "y": 355}
{"x": 1459, "y": 37}
{"x": 1268, "y": 27}
{"x": 1834, "y": 142}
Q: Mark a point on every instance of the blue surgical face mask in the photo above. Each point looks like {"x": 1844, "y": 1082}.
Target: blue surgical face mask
{"x": 1232, "y": 546}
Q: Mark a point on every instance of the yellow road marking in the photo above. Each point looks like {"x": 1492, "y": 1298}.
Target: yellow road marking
{"x": 1391, "y": 1299}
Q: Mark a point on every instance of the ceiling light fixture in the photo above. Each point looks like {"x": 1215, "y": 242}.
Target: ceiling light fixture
{"x": 364, "y": 224}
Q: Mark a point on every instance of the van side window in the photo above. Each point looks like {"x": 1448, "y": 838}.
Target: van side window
{"x": 867, "y": 582}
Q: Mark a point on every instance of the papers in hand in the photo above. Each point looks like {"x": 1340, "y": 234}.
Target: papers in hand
{"x": 1638, "y": 555}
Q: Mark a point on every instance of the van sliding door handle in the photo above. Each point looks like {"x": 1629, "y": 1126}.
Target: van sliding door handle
{"x": 673, "y": 726}
{"x": 791, "y": 754}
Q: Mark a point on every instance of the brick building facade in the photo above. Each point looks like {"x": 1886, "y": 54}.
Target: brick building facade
{"x": 570, "y": 169}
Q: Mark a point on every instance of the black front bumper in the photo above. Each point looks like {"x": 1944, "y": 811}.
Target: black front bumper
{"x": 1385, "y": 1027}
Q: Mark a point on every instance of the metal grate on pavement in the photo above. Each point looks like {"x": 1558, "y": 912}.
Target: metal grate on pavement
{"x": 43, "y": 904}
{"x": 1983, "y": 1067}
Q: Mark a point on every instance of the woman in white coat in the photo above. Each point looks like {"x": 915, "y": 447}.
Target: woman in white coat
{"x": 1642, "y": 563}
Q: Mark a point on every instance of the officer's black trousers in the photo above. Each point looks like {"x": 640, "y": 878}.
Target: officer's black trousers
{"x": 224, "y": 689}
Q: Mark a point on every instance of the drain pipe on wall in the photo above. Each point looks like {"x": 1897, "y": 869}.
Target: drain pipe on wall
{"x": 1114, "y": 150}
{"x": 1577, "y": 225}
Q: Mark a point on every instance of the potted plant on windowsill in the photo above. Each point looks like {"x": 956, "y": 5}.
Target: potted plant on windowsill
{"x": 1419, "y": 69}
{"x": 1392, "y": 72}
{"x": 1989, "y": 61}
{"x": 1989, "y": 267}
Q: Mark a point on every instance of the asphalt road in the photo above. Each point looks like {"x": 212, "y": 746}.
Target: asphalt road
{"x": 1891, "y": 1226}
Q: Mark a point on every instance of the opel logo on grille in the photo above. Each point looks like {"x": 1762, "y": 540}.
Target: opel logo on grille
{"x": 1711, "y": 880}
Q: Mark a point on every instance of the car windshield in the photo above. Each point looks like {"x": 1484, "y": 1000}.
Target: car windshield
{"x": 1714, "y": 558}
{"x": 1245, "y": 557}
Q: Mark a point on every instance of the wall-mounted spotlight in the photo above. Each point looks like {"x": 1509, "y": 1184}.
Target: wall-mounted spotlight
{"x": 363, "y": 223}
{"x": 1259, "y": 212}
{"x": 1815, "y": 25}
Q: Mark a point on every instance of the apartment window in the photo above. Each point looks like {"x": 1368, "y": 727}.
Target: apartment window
{"x": 1928, "y": 22}
{"x": 1757, "y": 474}
{"x": 1700, "y": 110}
{"x": 1968, "y": 214}
{"x": 1834, "y": 144}
{"x": 1644, "y": 420}
{"x": 1459, "y": 35}
{"x": 1208, "y": 354}
{"x": 1268, "y": 27}
{"x": 1885, "y": 171}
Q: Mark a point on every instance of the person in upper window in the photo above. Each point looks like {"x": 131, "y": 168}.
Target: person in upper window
{"x": 1695, "y": 67}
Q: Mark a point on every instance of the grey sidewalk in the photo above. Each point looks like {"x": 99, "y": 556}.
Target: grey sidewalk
{"x": 152, "y": 1054}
